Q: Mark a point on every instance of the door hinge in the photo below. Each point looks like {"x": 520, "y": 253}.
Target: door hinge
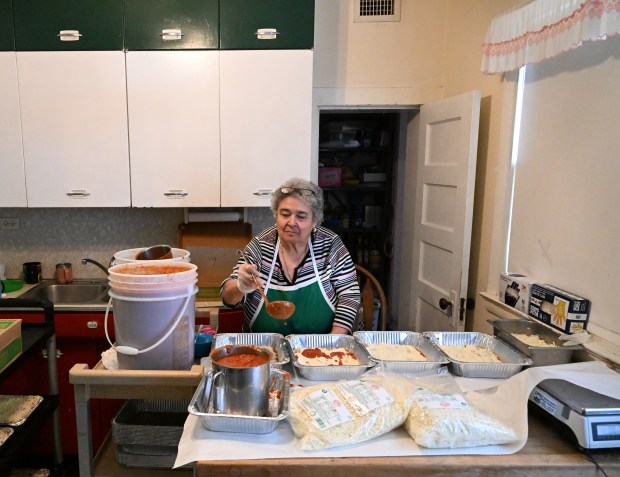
{"x": 466, "y": 304}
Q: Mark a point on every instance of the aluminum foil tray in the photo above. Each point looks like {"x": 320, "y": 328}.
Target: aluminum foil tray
{"x": 201, "y": 407}
{"x": 435, "y": 358}
{"x": 329, "y": 341}
{"x": 512, "y": 360}
{"x": 540, "y": 355}
{"x": 273, "y": 340}
{"x": 5, "y": 433}
{"x": 149, "y": 421}
{"x": 14, "y": 410}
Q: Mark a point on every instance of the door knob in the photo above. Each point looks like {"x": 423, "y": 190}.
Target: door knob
{"x": 444, "y": 304}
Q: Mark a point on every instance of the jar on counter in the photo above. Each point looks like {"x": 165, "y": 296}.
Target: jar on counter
{"x": 64, "y": 273}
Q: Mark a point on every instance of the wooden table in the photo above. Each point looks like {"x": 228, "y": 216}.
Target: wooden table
{"x": 101, "y": 383}
{"x": 546, "y": 453}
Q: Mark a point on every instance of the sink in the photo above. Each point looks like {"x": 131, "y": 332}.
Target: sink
{"x": 74, "y": 293}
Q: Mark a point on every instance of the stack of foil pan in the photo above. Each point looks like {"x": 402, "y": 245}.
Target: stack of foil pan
{"x": 201, "y": 407}
{"x": 512, "y": 360}
{"x": 435, "y": 358}
{"x": 331, "y": 341}
{"x": 272, "y": 340}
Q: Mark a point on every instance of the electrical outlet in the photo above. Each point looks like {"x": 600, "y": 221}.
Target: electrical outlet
{"x": 9, "y": 223}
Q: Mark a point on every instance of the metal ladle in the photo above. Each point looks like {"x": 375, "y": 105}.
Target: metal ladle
{"x": 279, "y": 309}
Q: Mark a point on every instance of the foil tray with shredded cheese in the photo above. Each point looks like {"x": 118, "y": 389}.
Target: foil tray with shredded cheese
{"x": 5, "y": 433}
{"x": 14, "y": 410}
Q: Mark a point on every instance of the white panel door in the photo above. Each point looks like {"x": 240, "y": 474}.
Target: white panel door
{"x": 12, "y": 175}
{"x": 444, "y": 196}
{"x": 74, "y": 125}
{"x": 265, "y": 121}
{"x": 174, "y": 140}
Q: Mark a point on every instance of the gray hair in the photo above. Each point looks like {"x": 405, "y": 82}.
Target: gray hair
{"x": 314, "y": 201}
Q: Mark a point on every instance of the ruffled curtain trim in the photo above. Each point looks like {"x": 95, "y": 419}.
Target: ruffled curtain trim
{"x": 543, "y": 29}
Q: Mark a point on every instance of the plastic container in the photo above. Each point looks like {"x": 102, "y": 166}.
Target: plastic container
{"x": 154, "y": 328}
{"x": 129, "y": 256}
{"x": 153, "y": 271}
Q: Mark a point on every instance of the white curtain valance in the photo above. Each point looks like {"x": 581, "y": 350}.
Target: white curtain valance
{"x": 544, "y": 28}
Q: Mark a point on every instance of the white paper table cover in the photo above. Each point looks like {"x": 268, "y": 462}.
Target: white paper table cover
{"x": 506, "y": 401}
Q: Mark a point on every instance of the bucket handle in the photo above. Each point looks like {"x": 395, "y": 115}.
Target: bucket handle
{"x": 130, "y": 351}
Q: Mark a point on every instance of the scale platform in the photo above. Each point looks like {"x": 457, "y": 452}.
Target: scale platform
{"x": 594, "y": 418}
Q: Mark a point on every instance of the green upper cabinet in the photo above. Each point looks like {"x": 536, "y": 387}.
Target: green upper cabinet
{"x": 68, "y": 25}
{"x": 171, "y": 24}
{"x": 266, "y": 24}
{"x": 7, "y": 41}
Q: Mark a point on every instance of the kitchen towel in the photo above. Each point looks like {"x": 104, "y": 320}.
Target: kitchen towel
{"x": 506, "y": 401}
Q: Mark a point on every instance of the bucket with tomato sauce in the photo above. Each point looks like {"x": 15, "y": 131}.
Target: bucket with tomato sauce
{"x": 240, "y": 380}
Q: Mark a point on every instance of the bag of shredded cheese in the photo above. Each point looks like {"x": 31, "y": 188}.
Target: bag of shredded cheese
{"x": 346, "y": 412}
{"x": 441, "y": 417}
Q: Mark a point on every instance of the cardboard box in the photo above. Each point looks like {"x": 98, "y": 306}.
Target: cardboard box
{"x": 213, "y": 249}
{"x": 330, "y": 176}
{"x": 374, "y": 177}
{"x": 558, "y": 308}
{"x": 10, "y": 341}
{"x": 514, "y": 290}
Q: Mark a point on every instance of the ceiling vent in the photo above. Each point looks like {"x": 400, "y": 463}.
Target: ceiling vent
{"x": 377, "y": 11}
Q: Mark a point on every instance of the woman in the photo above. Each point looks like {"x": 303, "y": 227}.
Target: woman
{"x": 297, "y": 261}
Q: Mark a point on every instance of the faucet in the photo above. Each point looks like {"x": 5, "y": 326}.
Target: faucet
{"x": 96, "y": 263}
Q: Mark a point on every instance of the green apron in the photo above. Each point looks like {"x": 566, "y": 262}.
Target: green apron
{"x": 314, "y": 313}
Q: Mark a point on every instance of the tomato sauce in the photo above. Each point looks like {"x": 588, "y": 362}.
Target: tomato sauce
{"x": 153, "y": 270}
{"x": 242, "y": 360}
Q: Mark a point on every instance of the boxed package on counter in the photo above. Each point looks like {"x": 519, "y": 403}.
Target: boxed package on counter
{"x": 10, "y": 341}
{"x": 558, "y": 308}
{"x": 514, "y": 290}
{"x": 330, "y": 176}
{"x": 213, "y": 247}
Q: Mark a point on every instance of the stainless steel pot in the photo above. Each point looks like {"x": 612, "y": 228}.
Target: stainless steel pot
{"x": 240, "y": 390}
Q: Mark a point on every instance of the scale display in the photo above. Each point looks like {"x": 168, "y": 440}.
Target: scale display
{"x": 593, "y": 418}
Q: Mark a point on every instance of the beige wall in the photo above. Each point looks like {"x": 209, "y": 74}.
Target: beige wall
{"x": 379, "y": 63}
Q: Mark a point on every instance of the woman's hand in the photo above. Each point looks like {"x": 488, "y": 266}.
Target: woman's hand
{"x": 245, "y": 281}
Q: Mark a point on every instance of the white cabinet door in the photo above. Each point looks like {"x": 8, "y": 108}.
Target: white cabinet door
{"x": 12, "y": 176}
{"x": 74, "y": 124}
{"x": 265, "y": 122}
{"x": 173, "y": 107}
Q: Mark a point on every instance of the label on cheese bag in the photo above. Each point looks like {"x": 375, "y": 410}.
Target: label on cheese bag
{"x": 427, "y": 399}
{"x": 364, "y": 397}
{"x": 325, "y": 409}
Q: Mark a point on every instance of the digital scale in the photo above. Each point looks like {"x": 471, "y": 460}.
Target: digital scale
{"x": 594, "y": 418}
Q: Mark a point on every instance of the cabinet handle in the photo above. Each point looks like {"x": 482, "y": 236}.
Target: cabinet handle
{"x": 171, "y": 34}
{"x": 78, "y": 193}
{"x": 263, "y": 193}
{"x": 69, "y": 35}
{"x": 266, "y": 34}
{"x": 176, "y": 194}
{"x": 93, "y": 325}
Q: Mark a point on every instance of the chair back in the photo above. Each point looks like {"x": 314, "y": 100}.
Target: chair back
{"x": 370, "y": 288}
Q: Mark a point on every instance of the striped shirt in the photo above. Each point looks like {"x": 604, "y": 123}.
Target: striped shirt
{"x": 334, "y": 264}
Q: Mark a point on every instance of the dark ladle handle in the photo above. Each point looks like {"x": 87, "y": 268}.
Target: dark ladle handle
{"x": 260, "y": 289}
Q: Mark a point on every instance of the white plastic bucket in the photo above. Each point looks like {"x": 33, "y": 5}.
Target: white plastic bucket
{"x": 129, "y": 256}
{"x": 141, "y": 289}
{"x": 154, "y": 328}
{"x": 153, "y": 271}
